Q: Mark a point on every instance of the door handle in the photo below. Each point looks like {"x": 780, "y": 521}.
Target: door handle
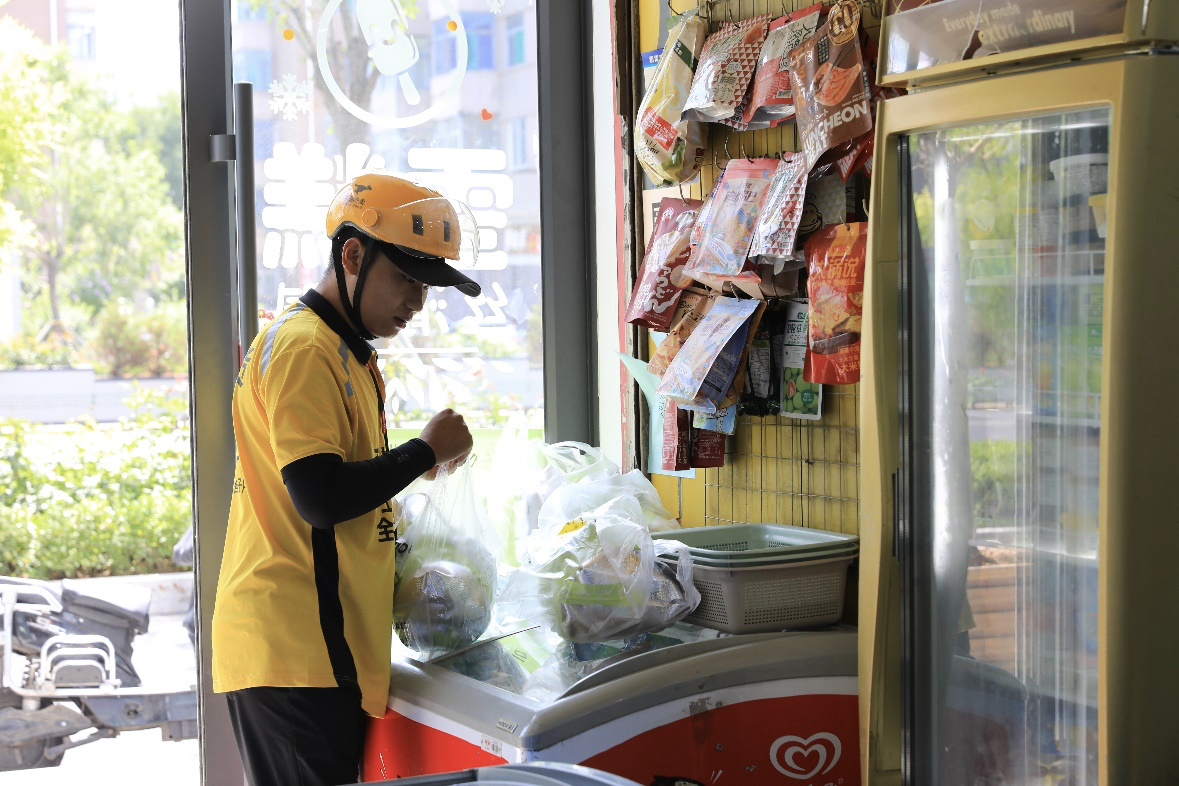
{"x": 239, "y": 148}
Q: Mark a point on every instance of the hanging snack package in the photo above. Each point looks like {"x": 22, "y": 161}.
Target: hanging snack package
{"x": 658, "y": 290}
{"x": 737, "y": 384}
{"x": 691, "y": 310}
{"x": 771, "y": 100}
{"x": 722, "y": 254}
{"x": 798, "y": 398}
{"x": 723, "y": 420}
{"x": 705, "y": 211}
{"x": 779, "y": 215}
{"x": 726, "y": 66}
{"x": 702, "y": 371}
{"x": 760, "y": 394}
{"x": 677, "y": 438}
{"x": 668, "y": 145}
{"x": 830, "y": 84}
{"x": 836, "y": 257}
{"x": 708, "y": 449}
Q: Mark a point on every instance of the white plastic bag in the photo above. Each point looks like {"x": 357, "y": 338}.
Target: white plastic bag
{"x": 571, "y": 500}
{"x": 598, "y": 577}
{"x": 444, "y": 593}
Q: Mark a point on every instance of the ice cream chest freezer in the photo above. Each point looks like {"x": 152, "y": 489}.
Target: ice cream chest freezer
{"x": 751, "y": 709}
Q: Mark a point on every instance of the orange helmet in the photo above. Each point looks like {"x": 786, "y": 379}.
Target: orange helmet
{"x": 417, "y": 220}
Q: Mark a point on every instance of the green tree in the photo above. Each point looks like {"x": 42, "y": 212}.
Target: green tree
{"x": 104, "y": 223}
{"x": 26, "y": 92}
{"x": 157, "y": 129}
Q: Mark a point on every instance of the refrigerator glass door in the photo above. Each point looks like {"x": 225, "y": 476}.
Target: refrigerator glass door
{"x": 1004, "y": 305}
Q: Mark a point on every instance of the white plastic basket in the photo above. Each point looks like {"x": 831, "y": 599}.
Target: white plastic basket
{"x": 803, "y": 594}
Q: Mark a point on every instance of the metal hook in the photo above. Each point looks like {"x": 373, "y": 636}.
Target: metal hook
{"x": 682, "y": 198}
{"x": 728, "y": 155}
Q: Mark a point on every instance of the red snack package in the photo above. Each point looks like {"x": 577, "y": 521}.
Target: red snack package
{"x": 677, "y": 438}
{"x": 830, "y": 84}
{"x": 836, "y": 256}
{"x": 708, "y": 448}
{"x": 771, "y": 100}
{"x": 658, "y": 290}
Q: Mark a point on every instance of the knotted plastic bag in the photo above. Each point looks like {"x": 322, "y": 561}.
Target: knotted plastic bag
{"x": 598, "y": 578}
{"x": 444, "y": 593}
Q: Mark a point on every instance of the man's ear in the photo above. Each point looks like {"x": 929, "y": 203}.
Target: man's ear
{"x": 351, "y": 255}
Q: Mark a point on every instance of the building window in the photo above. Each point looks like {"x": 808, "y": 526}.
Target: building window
{"x": 81, "y": 35}
{"x": 445, "y": 49}
{"x": 253, "y": 66}
{"x": 515, "y": 143}
{"x": 251, "y": 11}
{"x": 480, "y": 41}
{"x": 514, "y": 27}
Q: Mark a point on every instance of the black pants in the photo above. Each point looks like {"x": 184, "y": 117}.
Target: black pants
{"x": 299, "y": 736}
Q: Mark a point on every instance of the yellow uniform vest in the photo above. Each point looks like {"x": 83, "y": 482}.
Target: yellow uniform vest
{"x": 297, "y": 606}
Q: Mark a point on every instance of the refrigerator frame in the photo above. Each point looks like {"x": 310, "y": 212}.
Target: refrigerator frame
{"x": 1147, "y": 24}
{"x": 1138, "y": 686}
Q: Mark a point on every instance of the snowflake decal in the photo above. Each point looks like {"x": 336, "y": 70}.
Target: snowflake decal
{"x": 290, "y": 97}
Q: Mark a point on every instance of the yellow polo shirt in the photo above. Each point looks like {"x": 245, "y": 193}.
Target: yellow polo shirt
{"x": 298, "y": 606}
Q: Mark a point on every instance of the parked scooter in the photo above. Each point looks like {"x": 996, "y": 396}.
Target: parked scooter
{"x": 65, "y": 667}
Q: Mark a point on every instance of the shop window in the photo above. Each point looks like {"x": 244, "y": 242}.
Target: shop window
{"x": 480, "y": 41}
{"x": 445, "y": 49}
{"x": 81, "y": 35}
{"x": 253, "y": 66}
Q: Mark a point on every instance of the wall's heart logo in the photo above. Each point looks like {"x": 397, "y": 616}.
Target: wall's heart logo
{"x": 803, "y": 759}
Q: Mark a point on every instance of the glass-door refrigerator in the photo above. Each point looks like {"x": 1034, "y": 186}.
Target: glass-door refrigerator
{"x": 1022, "y": 485}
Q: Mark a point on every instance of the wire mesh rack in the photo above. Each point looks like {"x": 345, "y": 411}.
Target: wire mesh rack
{"x": 777, "y": 469}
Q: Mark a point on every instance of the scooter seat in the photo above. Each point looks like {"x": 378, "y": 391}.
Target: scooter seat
{"x": 125, "y": 603}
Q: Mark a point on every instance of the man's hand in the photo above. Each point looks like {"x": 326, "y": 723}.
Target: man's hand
{"x": 448, "y": 436}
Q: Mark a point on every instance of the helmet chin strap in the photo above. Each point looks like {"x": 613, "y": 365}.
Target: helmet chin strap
{"x": 352, "y": 305}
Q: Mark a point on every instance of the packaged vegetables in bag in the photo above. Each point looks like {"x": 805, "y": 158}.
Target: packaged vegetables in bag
{"x": 598, "y": 578}
{"x": 836, "y": 257}
{"x": 771, "y": 99}
{"x": 722, "y": 254}
{"x": 444, "y": 590}
{"x": 669, "y": 145}
{"x": 703, "y": 370}
{"x": 726, "y": 65}
{"x": 830, "y": 84}
{"x": 661, "y": 281}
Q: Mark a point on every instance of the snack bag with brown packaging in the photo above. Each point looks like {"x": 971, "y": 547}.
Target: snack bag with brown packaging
{"x": 836, "y": 257}
{"x": 691, "y": 310}
{"x": 708, "y": 448}
{"x": 830, "y": 84}
{"x": 726, "y": 66}
{"x": 658, "y": 290}
{"x": 669, "y": 146}
{"x": 860, "y": 150}
{"x": 722, "y": 254}
{"x": 771, "y": 100}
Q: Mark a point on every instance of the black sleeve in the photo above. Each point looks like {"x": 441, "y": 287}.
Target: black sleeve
{"x": 327, "y": 490}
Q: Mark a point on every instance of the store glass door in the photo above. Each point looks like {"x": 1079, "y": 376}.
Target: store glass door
{"x": 444, "y": 91}
{"x": 1004, "y": 297}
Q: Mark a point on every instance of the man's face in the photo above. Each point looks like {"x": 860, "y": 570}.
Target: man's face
{"x": 391, "y": 298}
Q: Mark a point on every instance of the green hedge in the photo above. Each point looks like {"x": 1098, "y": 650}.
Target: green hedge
{"x": 96, "y": 499}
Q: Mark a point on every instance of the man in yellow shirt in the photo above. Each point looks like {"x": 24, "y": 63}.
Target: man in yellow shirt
{"x": 303, "y": 619}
